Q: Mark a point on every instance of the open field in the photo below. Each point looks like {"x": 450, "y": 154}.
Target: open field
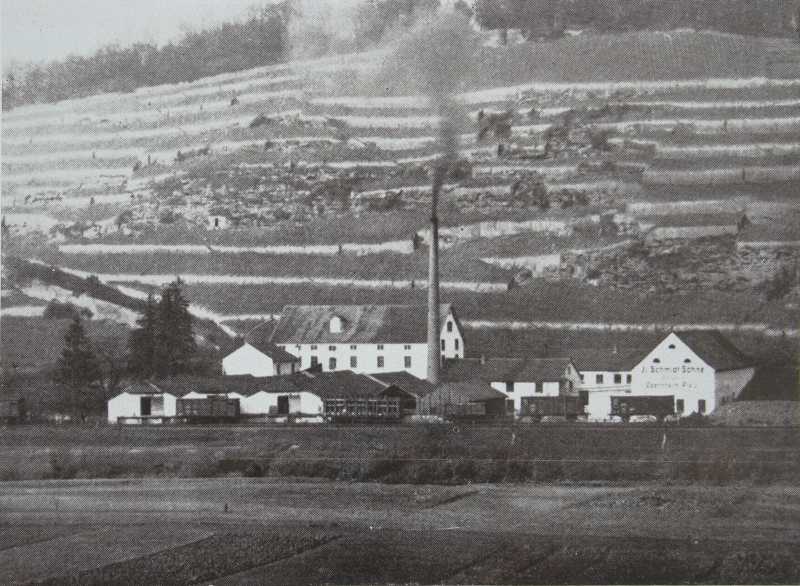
{"x": 242, "y": 531}
{"x": 444, "y": 454}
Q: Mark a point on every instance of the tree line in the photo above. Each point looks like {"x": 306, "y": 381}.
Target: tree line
{"x": 263, "y": 38}
{"x": 538, "y": 18}
{"x": 162, "y": 345}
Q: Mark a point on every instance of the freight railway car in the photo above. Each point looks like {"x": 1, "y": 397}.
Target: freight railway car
{"x": 362, "y": 410}
{"x": 211, "y": 409}
{"x": 12, "y": 410}
{"x": 626, "y": 407}
{"x": 563, "y": 406}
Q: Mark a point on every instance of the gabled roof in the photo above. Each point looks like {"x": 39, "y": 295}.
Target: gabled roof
{"x": 363, "y": 324}
{"x": 606, "y": 359}
{"x": 259, "y": 337}
{"x": 211, "y": 385}
{"x": 715, "y": 349}
{"x": 464, "y": 392}
{"x": 143, "y": 388}
{"x": 507, "y": 369}
{"x": 405, "y": 381}
{"x": 341, "y": 384}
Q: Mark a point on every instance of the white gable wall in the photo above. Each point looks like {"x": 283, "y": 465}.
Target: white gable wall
{"x": 129, "y": 405}
{"x": 249, "y": 360}
{"x": 664, "y": 371}
{"x": 299, "y": 403}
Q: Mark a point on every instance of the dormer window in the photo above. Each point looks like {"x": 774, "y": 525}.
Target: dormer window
{"x": 336, "y": 325}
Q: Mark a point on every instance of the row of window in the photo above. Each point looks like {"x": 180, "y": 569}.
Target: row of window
{"x": 599, "y": 379}
{"x": 355, "y": 347}
{"x": 457, "y": 345}
{"x": 333, "y": 362}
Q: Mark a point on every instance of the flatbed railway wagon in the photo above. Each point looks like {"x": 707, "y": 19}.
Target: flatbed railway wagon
{"x": 211, "y": 409}
{"x": 12, "y": 410}
{"x": 362, "y": 410}
{"x": 568, "y": 407}
{"x": 656, "y": 406}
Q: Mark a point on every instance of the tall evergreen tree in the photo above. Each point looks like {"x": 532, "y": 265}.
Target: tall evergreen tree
{"x": 78, "y": 367}
{"x": 175, "y": 343}
{"x": 142, "y": 342}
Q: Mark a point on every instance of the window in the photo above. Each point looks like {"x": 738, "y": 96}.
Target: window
{"x": 443, "y": 348}
{"x": 598, "y": 379}
{"x": 449, "y": 326}
{"x": 629, "y": 379}
{"x": 407, "y": 347}
{"x": 313, "y": 346}
{"x": 701, "y": 406}
{"x": 332, "y": 348}
{"x": 618, "y": 379}
{"x": 314, "y": 361}
{"x": 457, "y": 344}
{"x": 407, "y": 362}
{"x": 679, "y": 405}
{"x": 656, "y": 361}
{"x": 353, "y": 362}
{"x": 353, "y": 347}
{"x": 509, "y": 387}
{"x": 583, "y": 379}
{"x": 672, "y": 346}
{"x": 380, "y": 361}
{"x": 538, "y": 387}
{"x": 687, "y": 361}
{"x": 336, "y": 325}
{"x": 331, "y": 363}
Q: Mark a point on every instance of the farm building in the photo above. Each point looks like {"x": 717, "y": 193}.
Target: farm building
{"x": 365, "y": 338}
{"x": 141, "y": 402}
{"x": 701, "y": 369}
{"x": 303, "y": 395}
{"x": 259, "y": 357}
{"x": 404, "y": 385}
{"x": 466, "y": 399}
{"x": 518, "y": 378}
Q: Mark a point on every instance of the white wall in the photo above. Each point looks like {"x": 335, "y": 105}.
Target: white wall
{"x": 590, "y": 383}
{"x": 521, "y": 389}
{"x": 261, "y": 402}
{"x": 128, "y": 405}
{"x": 249, "y": 360}
{"x": 691, "y": 382}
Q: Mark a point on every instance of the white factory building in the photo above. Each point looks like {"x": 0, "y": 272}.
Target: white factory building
{"x": 367, "y": 339}
{"x": 701, "y": 369}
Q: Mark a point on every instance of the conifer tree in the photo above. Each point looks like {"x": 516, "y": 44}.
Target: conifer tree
{"x": 78, "y": 367}
{"x": 174, "y": 343}
{"x": 142, "y": 341}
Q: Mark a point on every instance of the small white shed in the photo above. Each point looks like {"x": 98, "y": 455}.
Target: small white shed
{"x": 141, "y": 402}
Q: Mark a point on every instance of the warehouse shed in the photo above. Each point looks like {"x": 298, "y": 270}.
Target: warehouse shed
{"x": 141, "y": 402}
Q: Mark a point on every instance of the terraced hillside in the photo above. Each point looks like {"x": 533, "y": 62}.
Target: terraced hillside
{"x": 649, "y": 191}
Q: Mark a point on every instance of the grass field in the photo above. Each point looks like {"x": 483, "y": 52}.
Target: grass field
{"x": 447, "y": 454}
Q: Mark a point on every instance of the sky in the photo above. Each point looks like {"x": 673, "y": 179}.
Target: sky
{"x": 44, "y": 30}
